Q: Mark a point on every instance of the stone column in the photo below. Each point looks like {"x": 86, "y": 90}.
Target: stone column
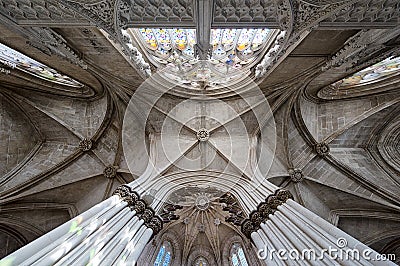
{"x": 286, "y": 233}
{"x": 114, "y": 231}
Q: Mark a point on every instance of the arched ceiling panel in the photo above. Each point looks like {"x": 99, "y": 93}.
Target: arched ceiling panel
{"x": 19, "y": 137}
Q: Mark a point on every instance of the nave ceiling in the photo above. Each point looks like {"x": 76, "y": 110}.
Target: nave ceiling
{"x": 336, "y": 151}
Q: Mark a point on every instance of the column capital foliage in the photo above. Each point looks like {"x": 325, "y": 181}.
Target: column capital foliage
{"x": 144, "y": 212}
{"x": 264, "y": 209}
{"x": 230, "y": 204}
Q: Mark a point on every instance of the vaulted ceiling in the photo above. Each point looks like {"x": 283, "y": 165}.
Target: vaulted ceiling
{"x": 336, "y": 151}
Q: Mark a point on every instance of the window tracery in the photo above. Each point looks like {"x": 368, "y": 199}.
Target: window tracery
{"x": 231, "y": 50}
{"x": 164, "y": 255}
{"x": 14, "y": 59}
{"x": 236, "y": 47}
{"x": 384, "y": 69}
{"x": 237, "y": 255}
{"x": 201, "y": 261}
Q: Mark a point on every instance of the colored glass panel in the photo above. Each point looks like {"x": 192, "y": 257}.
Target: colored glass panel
{"x": 167, "y": 259}
{"x": 180, "y": 39}
{"x": 15, "y": 59}
{"x": 245, "y": 38}
{"x": 229, "y": 38}
{"x": 232, "y": 49}
{"x": 376, "y": 72}
{"x": 242, "y": 258}
{"x": 163, "y": 38}
{"x": 259, "y": 38}
{"x": 235, "y": 260}
{"x": 201, "y": 262}
{"x": 160, "y": 256}
{"x": 149, "y": 38}
{"x": 237, "y": 255}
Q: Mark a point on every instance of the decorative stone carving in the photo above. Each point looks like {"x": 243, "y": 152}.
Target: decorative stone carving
{"x": 364, "y": 58}
{"x": 156, "y": 224}
{"x": 277, "y": 12}
{"x": 37, "y": 10}
{"x": 201, "y": 228}
{"x": 343, "y": 55}
{"x": 296, "y": 175}
{"x": 322, "y": 2}
{"x": 8, "y": 64}
{"x": 186, "y": 220}
{"x": 50, "y": 42}
{"x": 110, "y": 171}
{"x": 147, "y": 215}
{"x": 230, "y": 204}
{"x": 126, "y": 194}
{"x": 272, "y": 55}
{"x": 369, "y": 11}
{"x": 139, "y": 206}
{"x": 85, "y": 144}
{"x": 103, "y": 9}
{"x": 113, "y": 16}
{"x": 133, "y": 53}
{"x": 135, "y": 12}
{"x": 202, "y": 52}
{"x": 168, "y": 212}
{"x": 202, "y": 202}
{"x": 203, "y": 134}
{"x": 322, "y": 149}
{"x": 307, "y": 14}
{"x": 283, "y": 195}
{"x": 359, "y": 49}
{"x": 100, "y": 12}
{"x": 264, "y": 209}
{"x": 362, "y": 50}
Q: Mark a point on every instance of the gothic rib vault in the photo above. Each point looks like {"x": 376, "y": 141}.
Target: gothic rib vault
{"x": 322, "y": 150}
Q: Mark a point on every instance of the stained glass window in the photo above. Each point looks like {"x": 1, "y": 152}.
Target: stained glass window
{"x": 235, "y": 260}
{"x": 167, "y": 259}
{"x": 167, "y": 45}
{"x": 16, "y": 60}
{"x": 160, "y": 256}
{"x": 374, "y": 73}
{"x": 231, "y": 49}
{"x": 200, "y": 261}
{"x": 164, "y": 255}
{"x": 237, "y": 255}
{"x": 242, "y": 258}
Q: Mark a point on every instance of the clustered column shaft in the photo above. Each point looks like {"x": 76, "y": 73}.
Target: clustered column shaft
{"x": 285, "y": 231}
{"x": 114, "y": 231}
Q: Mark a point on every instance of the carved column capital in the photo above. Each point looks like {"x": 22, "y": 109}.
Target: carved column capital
{"x": 264, "y": 210}
{"x": 168, "y": 212}
{"x": 231, "y": 205}
{"x": 144, "y": 212}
